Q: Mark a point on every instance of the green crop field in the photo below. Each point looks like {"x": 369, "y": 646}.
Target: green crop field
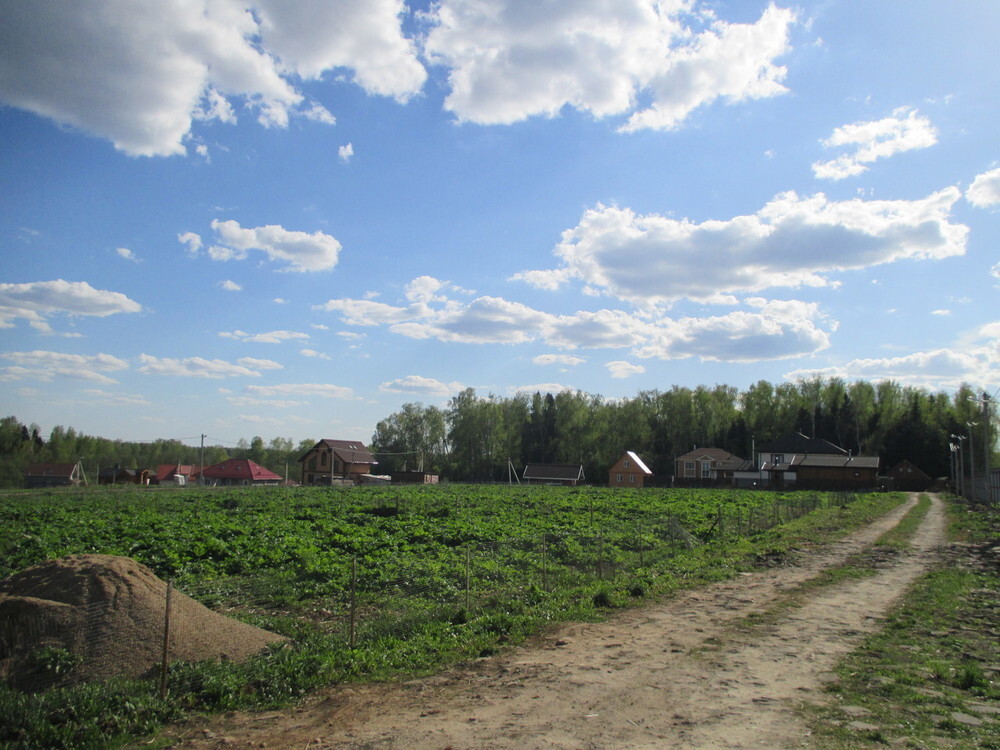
{"x": 376, "y": 582}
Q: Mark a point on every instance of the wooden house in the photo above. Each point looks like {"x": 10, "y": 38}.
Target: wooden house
{"x": 908, "y": 477}
{"x": 823, "y": 472}
{"x": 336, "y": 461}
{"x": 568, "y": 475}
{"x": 628, "y": 471}
{"x": 53, "y": 475}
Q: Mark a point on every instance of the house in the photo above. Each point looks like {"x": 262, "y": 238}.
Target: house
{"x": 707, "y": 466}
{"x": 414, "y": 477}
{"x": 795, "y": 443}
{"x": 908, "y": 477}
{"x": 240, "y": 472}
{"x": 118, "y": 475}
{"x": 568, "y": 475}
{"x": 822, "y": 472}
{"x": 181, "y": 474}
{"x": 628, "y": 471}
{"x": 332, "y": 461}
{"x": 54, "y": 475}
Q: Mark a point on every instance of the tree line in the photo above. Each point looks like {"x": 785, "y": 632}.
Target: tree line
{"x": 478, "y": 438}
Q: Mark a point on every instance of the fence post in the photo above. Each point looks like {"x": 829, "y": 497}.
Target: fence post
{"x": 354, "y": 601}
{"x": 468, "y": 577}
{"x": 600, "y": 557}
{"x": 545, "y": 567}
{"x": 166, "y": 642}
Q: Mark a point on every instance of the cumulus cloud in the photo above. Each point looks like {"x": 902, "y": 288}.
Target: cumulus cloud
{"x": 45, "y": 366}
{"x": 38, "y": 300}
{"x": 769, "y": 329}
{"x": 622, "y": 369}
{"x": 558, "y": 359}
{"x": 107, "y": 398}
{"x": 140, "y": 73}
{"x": 905, "y": 130}
{"x": 259, "y": 364}
{"x": 193, "y": 367}
{"x": 507, "y": 62}
{"x": 230, "y": 286}
{"x": 313, "y": 354}
{"x": 422, "y": 386}
{"x": 791, "y": 242}
{"x": 345, "y": 153}
{"x": 304, "y": 390}
{"x": 985, "y": 189}
{"x": 299, "y": 251}
{"x": 268, "y": 337}
{"x": 124, "y": 252}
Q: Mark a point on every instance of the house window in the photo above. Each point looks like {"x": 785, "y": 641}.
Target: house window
{"x": 706, "y": 469}
{"x": 322, "y": 459}
{"x": 689, "y": 468}
{"x": 777, "y": 458}
{"x": 625, "y": 464}
{"x": 619, "y": 479}
{"x": 631, "y": 478}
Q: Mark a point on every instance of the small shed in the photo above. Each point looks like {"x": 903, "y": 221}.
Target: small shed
{"x": 53, "y": 475}
{"x": 568, "y": 475}
{"x": 908, "y": 477}
{"x": 628, "y": 471}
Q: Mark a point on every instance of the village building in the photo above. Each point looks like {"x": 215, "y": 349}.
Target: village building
{"x": 180, "y": 474}
{"x": 567, "y": 475}
{"x": 241, "y": 472}
{"x": 707, "y": 466}
{"x": 908, "y": 477}
{"x": 53, "y": 475}
{"x": 628, "y": 471}
{"x": 336, "y": 462}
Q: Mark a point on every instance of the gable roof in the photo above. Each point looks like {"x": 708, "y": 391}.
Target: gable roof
{"x": 907, "y": 468}
{"x": 796, "y": 442}
{"x": 824, "y": 461}
{"x": 553, "y": 471}
{"x": 167, "y": 471}
{"x": 638, "y": 462}
{"x": 240, "y": 468}
{"x": 712, "y": 454}
{"x": 51, "y": 470}
{"x": 349, "y": 451}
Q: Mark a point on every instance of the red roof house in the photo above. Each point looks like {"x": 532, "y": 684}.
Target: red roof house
{"x": 240, "y": 472}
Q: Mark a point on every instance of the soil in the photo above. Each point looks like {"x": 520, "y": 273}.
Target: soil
{"x": 681, "y": 673}
{"x": 108, "y": 612}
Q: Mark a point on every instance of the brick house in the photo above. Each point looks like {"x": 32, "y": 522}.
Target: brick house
{"x": 241, "y": 472}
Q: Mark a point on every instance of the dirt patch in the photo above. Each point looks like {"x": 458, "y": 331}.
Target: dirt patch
{"x": 100, "y": 616}
{"x": 677, "y": 674}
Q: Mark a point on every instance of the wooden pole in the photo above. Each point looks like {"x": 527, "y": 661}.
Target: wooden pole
{"x": 354, "y": 601}
{"x": 166, "y": 642}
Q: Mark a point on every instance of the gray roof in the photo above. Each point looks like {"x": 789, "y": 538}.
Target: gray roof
{"x": 796, "y": 442}
{"x": 824, "y": 461}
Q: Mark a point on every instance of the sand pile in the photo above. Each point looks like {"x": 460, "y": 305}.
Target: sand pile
{"x": 89, "y": 617}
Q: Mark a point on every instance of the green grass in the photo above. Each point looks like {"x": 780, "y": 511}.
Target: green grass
{"x": 931, "y": 676}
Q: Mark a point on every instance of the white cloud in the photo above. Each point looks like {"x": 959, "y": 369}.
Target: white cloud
{"x": 942, "y": 312}
{"x": 305, "y": 390}
{"x": 905, "y": 130}
{"x": 558, "y": 359}
{"x": 622, "y": 369}
{"x": 44, "y": 366}
{"x": 508, "y": 62}
{"x": 301, "y": 251}
{"x": 193, "y": 367}
{"x": 141, "y": 72}
{"x": 985, "y": 189}
{"x": 36, "y": 301}
{"x": 274, "y": 403}
{"x": 230, "y": 286}
{"x": 419, "y": 385}
{"x": 259, "y": 364}
{"x": 280, "y": 301}
{"x": 344, "y": 153}
{"x": 124, "y": 252}
{"x": 105, "y": 398}
{"x": 269, "y": 337}
{"x": 313, "y": 353}
{"x": 542, "y": 388}
{"x": 790, "y": 242}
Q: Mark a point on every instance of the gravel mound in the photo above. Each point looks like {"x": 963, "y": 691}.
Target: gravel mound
{"x": 92, "y": 617}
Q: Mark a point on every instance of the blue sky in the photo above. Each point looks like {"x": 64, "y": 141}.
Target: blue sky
{"x": 288, "y": 219}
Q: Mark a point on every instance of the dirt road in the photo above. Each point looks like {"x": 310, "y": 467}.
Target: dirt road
{"x": 677, "y": 674}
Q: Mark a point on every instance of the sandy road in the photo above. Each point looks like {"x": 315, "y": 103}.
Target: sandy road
{"x": 676, "y": 674}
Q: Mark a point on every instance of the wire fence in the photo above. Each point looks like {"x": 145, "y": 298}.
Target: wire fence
{"x": 364, "y": 601}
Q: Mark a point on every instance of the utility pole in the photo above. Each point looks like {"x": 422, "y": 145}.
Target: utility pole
{"x": 960, "y": 485}
{"x": 972, "y": 458}
{"x": 201, "y": 460}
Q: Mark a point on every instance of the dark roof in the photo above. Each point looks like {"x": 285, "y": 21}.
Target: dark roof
{"x": 796, "y": 442}
{"x": 240, "y": 468}
{"x": 712, "y": 454}
{"x": 736, "y": 464}
{"x": 50, "y": 470}
{"x": 907, "y": 468}
{"x": 824, "y": 461}
{"x": 553, "y": 471}
{"x": 349, "y": 451}
{"x": 167, "y": 471}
